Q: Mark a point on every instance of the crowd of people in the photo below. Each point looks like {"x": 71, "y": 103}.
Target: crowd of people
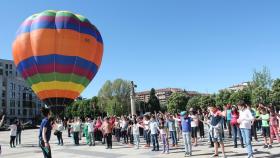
{"x": 242, "y": 122}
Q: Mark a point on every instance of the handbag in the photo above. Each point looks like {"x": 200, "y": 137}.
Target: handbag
{"x": 55, "y": 132}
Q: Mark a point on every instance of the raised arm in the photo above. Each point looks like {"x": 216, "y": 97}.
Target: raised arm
{"x": 2, "y": 120}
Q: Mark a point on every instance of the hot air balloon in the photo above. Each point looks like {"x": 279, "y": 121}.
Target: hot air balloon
{"x": 58, "y": 53}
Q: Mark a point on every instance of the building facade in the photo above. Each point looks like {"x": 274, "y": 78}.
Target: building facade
{"x": 238, "y": 87}
{"x": 163, "y": 94}
{"x": 17, "y": 100}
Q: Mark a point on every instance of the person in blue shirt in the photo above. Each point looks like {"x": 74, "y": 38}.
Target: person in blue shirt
{"x": 45, "y": 133}
{"x": 186, "y": 132}
{"x": 228, "y": 119}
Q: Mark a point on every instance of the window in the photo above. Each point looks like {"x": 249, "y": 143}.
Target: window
{"x": 12, "y": 111}
{"x": 19, "y": 112}
{"x": 11, "y": 66}
{"x": 18, "y": 103}
{"x": 3, "y": 103}
{"x": 10, "y": 73}
{"x": 24, "y": 112}
{"x": 1, "y": 71}
{"x": 12, "y": 103}
{"x": 3, "y": 94}
{"x": 7, "y": 73}
{"x": 30, "y": 112}
{"x": 7, "y": 66}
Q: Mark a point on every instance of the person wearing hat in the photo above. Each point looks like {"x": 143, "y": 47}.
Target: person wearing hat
{"x": 186, "y": 132}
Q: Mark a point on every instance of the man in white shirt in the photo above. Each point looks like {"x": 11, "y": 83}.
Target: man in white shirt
{"x": 91, "y": 126}
{"x": 154, "y": 133}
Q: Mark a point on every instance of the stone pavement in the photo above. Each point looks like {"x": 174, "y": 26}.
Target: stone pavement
{"x": 29, "y": 149}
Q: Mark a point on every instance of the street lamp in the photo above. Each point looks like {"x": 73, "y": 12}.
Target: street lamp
{"x": 132, "y": 98}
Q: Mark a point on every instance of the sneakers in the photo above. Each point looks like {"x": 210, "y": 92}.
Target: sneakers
{"x": 270, "y": 146}
{"x": 214, "y": 155}
{"x": 265, "y": 146}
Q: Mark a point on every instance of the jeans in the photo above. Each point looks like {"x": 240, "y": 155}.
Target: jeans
{"x": 108, "y": 137}
{"x": 76, "y": 138}
{"x": 12, "y": 141}
{"x": 125, "y": 136}
{"x": 165, "y": 143}
{"x": 229, "y": 128}
{"x": 246, "y": 134}
{"x": 59, "y": 138}
{"x": 155, "y": 141}
{"x": 254, "y": 130}
{"x": 18, "y": 138}
{"x": 46, "y": 150}
{"x": 136, "y": 140}
{"x": 173, "y": 137}
{"x": 91, "y": 138}
{"x": 236, "y": 131}
{"x": 187, "y": 142}
{"x": 118, "y": 134}
{"x": 147, "y": 136}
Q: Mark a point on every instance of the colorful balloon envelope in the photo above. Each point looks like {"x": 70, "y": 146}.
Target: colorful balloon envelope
{"x": 58, "y": 53}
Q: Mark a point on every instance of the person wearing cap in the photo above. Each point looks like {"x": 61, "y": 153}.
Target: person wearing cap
{"x": 186, "y": 132}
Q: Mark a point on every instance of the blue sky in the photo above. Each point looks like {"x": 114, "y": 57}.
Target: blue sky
{"x": 192, "y": 44}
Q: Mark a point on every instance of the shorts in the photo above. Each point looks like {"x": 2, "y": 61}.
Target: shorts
{"x": 266, "y": 131}
{"x": 194, "y": 132}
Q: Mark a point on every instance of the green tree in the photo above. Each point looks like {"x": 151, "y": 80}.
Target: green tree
{"x": 206, "y": 101}
{"x": 177, "y": 102}
{"x": 194, "y": 102}
{"x": 153, "y": 102}
{"x": 244, "y": 95}
{"x": 275, "y": 93}
{"x": 223, "y": 97}
{"x": 262, "y": 78}
{"x": 116, "y": 93}
{"x": 260, "y": 95}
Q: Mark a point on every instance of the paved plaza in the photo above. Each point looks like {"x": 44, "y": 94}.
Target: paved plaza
{"x": 29, "y": 149}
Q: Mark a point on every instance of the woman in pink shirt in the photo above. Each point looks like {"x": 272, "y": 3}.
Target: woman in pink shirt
{"x": 235, "y": 126}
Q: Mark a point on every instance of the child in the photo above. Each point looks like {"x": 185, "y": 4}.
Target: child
{"x": 13, "y": 134}
{"x": 186, "y": 131}
{"x": 265, "y": 128}
{"x": 136, "y": 134}
{"x": 163, "y": 133}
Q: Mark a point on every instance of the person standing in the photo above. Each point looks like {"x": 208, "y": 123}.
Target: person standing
{"x": 136, "y": 133}
{"x": 265, "y": 128}
{"x": 216, "y": 130}
{"x": 235, "y": 127}
{"x": 147, "y": 134}
{"x": 13, "y": 134}
{"x": 171, "y": 127}
{"x": 186, "y": 132}
{"x": 245, "y": 121}
{"x": 273, "y": 123}
{"x": 163, "y": 133}
{"x": 59, "y": 130}
{"x": 19, "y": 129}
{"x": 117, "y": 128}
{"x": 228, "y": 119}
{"x": 194, "y": 125}
{"x": 107, "y": 130}
{"x": 45, "y": 133}
{"x": 91, "y": 136}
{"x": 154, "y": 133}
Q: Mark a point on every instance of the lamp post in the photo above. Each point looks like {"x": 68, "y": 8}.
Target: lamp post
{"x": 132, "y": 98}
